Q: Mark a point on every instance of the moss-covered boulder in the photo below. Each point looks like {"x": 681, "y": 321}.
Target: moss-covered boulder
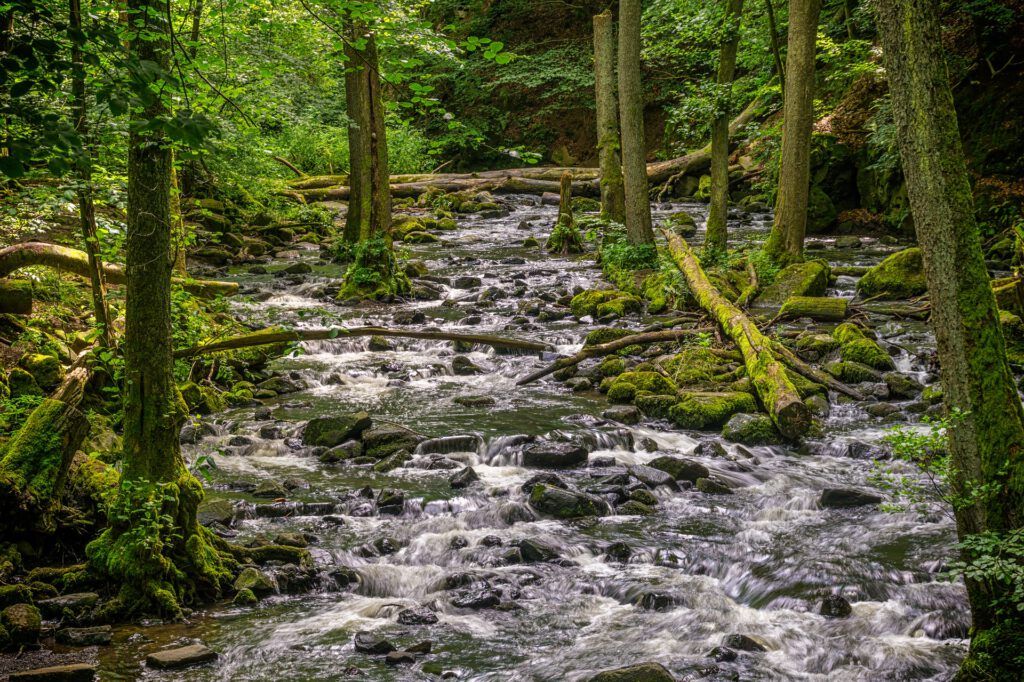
{"x": 821, "y": 212}
{"x": 21, "y": 383}
{"x": 856, "y": 346}
{"x": 709, "y": 410}
{"x": 202, "y": 399}
{"x": 852, "y": 372}
{"x": 419, "y": 237}
{"x": 682, "y": 223}
{"x": 816, "y": 345}
{"x": 384, "y": 441}
{"x": 257, "y": 581}
{"x": 751, "y": 429}
{"x": 45, "y": 369}
{"x": 600, "y": 303}
{"x": 566, "y": 504}
{"x": 626, "y": 386}
{"x": 23, "y": 623}
{"x": 611, "y": 367}
{"x": 656, "y": 406}
{"x": 605, "y": 335}
{"x": 799, "y": 279}
{"x": 334, "y": 430}
{"x": 899, "y": 276}
{"x": 700, "y": 368}
{"x": 643, "y": 672}
{"x": 679, "y": 468}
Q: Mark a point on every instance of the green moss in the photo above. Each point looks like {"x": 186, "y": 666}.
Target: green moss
{"x": 899, "y": 276}
{"x": 852, "y": 372}
{"x": 374, "y": 273}
{"x": 822, "y": 344}
{"x": 707, "y": 410}
{"x": 654, "y": 405}
{"x": 33, "y": 469}
{"x": 700, "y": 368}
{"x": 804, "y": 386}
{"x": 605, "y": 335}
{"x": 855, "y": 346}
{"x": 21, "y": 383}
{"x": 244, "y": 597}
{"x": 996, "y": 653}
{"x": 799, "y": 279}
{"x": 202, "y": 399}
{"x": 45, "y": 369}
{"x": 418, "y": 237}
{"x": 612, "y": 366}
{"x": 628, "y": 384}
{"x": 751, "y": 429}
{"x": 601, "y": 302}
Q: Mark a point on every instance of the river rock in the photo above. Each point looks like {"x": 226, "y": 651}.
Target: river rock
{"x": 417, "y": 616}
{"x": 751, "y": 429}
{"x": 383, "y": 441}
{"x": 22, "y": 622}
{"x": 270, "y": 489}
{"x": 75, "y": 603}
{"x": 183, "y": 657}
{"x": 91, "y": 636}
{"x": 463, "y": 366}
{"x": 73, "y": 672}
{"x": 711, "y": 486}
{"x": 534, "y": 551}
{"x": 331, "y": 431}
{"x": 464, "y": 478}
{"x": 566, "y": 504}
{"x": 619, "y": 551}
{"x": 651, "y": 477}
{"x": 554, "y": 455}
{"x": 744, "y": 643}
{"x": 216, "y": 511}
{"x": 902, "y": 386}
{"x": 399, "y": 658}
{"x": 546, "y": 478}
{"x": 449, "y": 444}
{"x": 681, "y": 469}
{"x": 624, "y": 414}
{"x": 253, "y": 579}
{"x": 391, "y": 502}
{"x": 900, "y": 276}
{"x": 477, "y": 599}
{"x": 340, "y": 453}
{"x": 642, "y": 672}
{"x": 369, "y": 643}
{"x": 474, "y": 400}
{"x": 835, "y": 606}
{"x": 842, "y": 498}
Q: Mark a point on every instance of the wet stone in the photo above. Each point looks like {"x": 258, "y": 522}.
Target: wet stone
{"x": 464, "y": 478}
{"x": 842, "y": 498}
{"x": 624, "y": 414}
{"x": 710, "y": 486}
{"x": 835, "y": 606}
{"x": 399, "y": 658}
{"x": 77, "y": 602}
{"x": 723, "y": 654}
{"x": 74, "y": 672}
{"x": 744, "y": 643}
{"x": 619, "y": 551}
{"x": 91, "y": 636}
{"x": 417, "y": 616}
{"x": 643, "y": 672}
{"x": 183, "y": 657}
{"x": 652, "y": 477}
{"x": 554, "y": 455}
{"x": 546, "y": 478}
{"x": 534, "y": 551}
{"x": 477, "y": 599}
{"x": 369, "y": 643}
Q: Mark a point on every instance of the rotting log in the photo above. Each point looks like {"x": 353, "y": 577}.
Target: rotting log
{"x": 509, "y": 184}
{"x": 35, "y": 465}
{"x": 641, "y": 339}
{"x": 777, "y": 393}
{"x": 272, "y": 336}
{"x": 822, "y": 308}
{"x": 16, "y": 297}
{"x": 27, "y": 254}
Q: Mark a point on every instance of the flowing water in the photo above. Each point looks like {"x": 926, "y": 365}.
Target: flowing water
{"x": 755, "y": 563}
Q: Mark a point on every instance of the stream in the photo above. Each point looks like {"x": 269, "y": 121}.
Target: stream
{"x": 670, "y": 587}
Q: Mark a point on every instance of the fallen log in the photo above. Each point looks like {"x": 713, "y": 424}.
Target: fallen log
{"x": 822, "y": 308}
{"x": 815, "y": 375}
{"x": 777, "y": 393}
{"x": 27, "y": 254}
{"x": 35, "y": 466}
{"x": 641, "y": 339}
{"x": 272, "y": 336}
{"x": 496, "y": 185}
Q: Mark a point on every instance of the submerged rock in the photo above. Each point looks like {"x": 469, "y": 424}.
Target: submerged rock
{"x": 73, "y": 672}
{"x": 841, "y": 498}
{"x": 744, "y": 643}
{"x": 566, "y": 504}
{"x": 642, "y": 672}
{"x": 98, "y": 635}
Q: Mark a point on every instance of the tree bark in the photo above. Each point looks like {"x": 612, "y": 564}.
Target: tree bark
{"x": 786, "y": 242}
{"x": 986, "y": 441}
{"x": 773, "y": 40}
{"x": 86, "y": 208}
{"x": 717, "y": 232}
{"x": 777, "y": 393}
{"x": 272, "y": 336}
{"x": 26, "y": 254}
{"x": 631, "y": 108}
{"x": 613, "y": 197}
{"x": 153, "y": 546}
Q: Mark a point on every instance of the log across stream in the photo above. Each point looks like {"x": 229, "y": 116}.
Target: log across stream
{"x": 515, "y": 596}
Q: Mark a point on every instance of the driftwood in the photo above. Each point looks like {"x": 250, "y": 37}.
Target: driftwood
{"x": 267, "y": 337}
{"x": 641, "y": 339}
{"x": 76, "y": 262}
{"x": 777, "y": 393}
{"x": 34, "y": 468}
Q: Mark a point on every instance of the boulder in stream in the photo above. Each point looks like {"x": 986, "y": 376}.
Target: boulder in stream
{"x": 22, "y": 622}
{"x": 751, "y": 429}
{"x": 182, "y": 657}
{"x": 332, "y": 431}
{"x": 554, "y": 455}
{"x": 843, "y": 498}
{"x": 642, "y": 672}
{"x": 464, "y": 478}
{"x": 384, "y": 441}
{"x": 835, "y": 606}
{"x": 72, "y": 672}
{"x": 566, "y": 504}
{"x": 369, "y": 643}
{"x": 900, "y": 276}
{"x": 681, "y": 469}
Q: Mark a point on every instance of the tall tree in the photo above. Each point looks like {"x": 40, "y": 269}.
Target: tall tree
{"x": 86, "y": 206}
{"x": 986, "y": 440}
{"x": 369, "y": 211}
{"x": 153, "y": 545}
{"x": 613, "y": 197}
{"x": 717, "y": 234}
{"x": 773, "y": 41}
{"x": 786, "y": 242}
{"x": 631, "y": 109}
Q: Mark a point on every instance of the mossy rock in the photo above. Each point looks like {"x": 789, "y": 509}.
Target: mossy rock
{"x": 799, "y": 279}
{"x": 255, "y": 580}
{"x": 331, "y": 431}
{"x": 852, "y": 372}
{"x": 626, "y": 386}
{"x": 418, "y": 237}
{"x": 751, "y": 429}
{"x": 900, "y": 276}
{"x": 602, "y": 302}
{"x": 820, "y": 344}
{"x": 634, "y": 508}
{"x": 14, "y": 594}
{"x": 699, "y": 368}
{"x": 654, "y": 405}
{"x": 45, "y": 369}
{"x": 682, "y": 223}
{"x": 855, "y": 346}
{"x": 21, "y": 383}
{"x": 611, "y": 367}
{"x": 566, "y": 504}
{"x": 585, "y": 205}
{"x": 245, "y": 597}
{"x": 23, "y": 623}
{"x": 709, "y": 410}
{"x": 643, "y": 672}
{"x": 821, "y": 212}
{"x": 202, "y": 399}
{"x": 606, "y": 335}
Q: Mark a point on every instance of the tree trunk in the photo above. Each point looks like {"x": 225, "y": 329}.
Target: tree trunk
{"x": 613, "y": 197}
{"x": 153, "y": 546}
{"x": 986, "y": 441}
{"x": 380, "y": 174}
{"x": 27, "y": 254}
{"x": 777, "y": 393}
{"x": 717, "y": 232}
{"x": 631, "y": 107}
{"x": 86, "y": 208}
{"x": 565, "y": 237}
{"x": 178, "y": 235}
{"x": 773, "y": 40}
{"x": 786, "y": 242}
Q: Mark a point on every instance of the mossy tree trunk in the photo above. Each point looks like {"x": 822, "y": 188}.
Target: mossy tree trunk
{"x": 565, "y": 236}
{"x": 179, "y": 237}
{"x": 153, "y": 546}
{"x": 631, "y": 109}
{"x": 777, "y": 393}
{"x": 786, "y": 242}
{"x": 613, "y": 197}
{"x": 773, "y": 40}
{"x": 987, "y": 440}
{"x": 86, "y": 207}
{"x": 717, "y": 232}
